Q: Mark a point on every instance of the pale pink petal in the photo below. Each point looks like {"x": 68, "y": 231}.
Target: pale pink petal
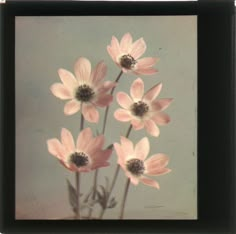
{"x": 55, "y": 148}
{"x": 101, "y": 156}
{"x": 90, "y": 113}
{"x": 99, "y": 165}
{"x": 146, "y": 62}
{"x": 126, "y": 42}
{"x": 157, "y": 161}
{"x": 71, "y": 107}
{"x": 112, "y": 53}
{"x": 138, "y": 48}
{"x": 122, "y": 115}
{"x": 84, "y": 138}
{"x": 134, "y": 180}
{"x": 161, "y": 104}
{"x": 60, "y": 91}
{"x": 137, "y": 124}
{"x": 67, "y": 140}
{"x": 149, "y": 182}
{"x": 152, "y": 128}
{"x": 137, "y": 89}
{"x": 95, "y": 145}
{"x": 142, "y": 149}
{"x": 124, "y": 100}
{"x": 145, "y": 71}
{"x": 99, "y": 73}
{"x": 120, "y": 154}
{"x": 82, "y": 69}
{"x": 107, "y": 86}
{"x": 104, "y": 100}
{"x": 67, "y": 78}
{"x": 159, "y": 171}
{"x": 161, "y": 118}
{"x": 115, "y": 47}
{"x": 127, "y": 145}
{"x": 70, "y": 167}
{"x": 152, "y": 93}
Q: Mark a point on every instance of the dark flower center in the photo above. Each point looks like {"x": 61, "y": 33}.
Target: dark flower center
{"x": 84, "y": 93}
{"x": 139, "y": 108}
{"x": 135, "y": 166}
{"x": 127, "y": 61}
{"x": 79, "y": 159}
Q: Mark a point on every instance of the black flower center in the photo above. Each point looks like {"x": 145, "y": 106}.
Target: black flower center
{"x": 135, "y": 166}
{"x": 139, "y": 108}
{"x": 84, "y": 93}
{"x": 79, "y": 159}
{"x": 127, "y": 61}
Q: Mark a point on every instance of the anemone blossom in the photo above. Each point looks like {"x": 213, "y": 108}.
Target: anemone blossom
{"x": 142, "y": 109}
{"x": 127, "y": 53}
{"x": 86, "y": 90}
{"x": 86, "y": 155}
{"x": 132, "y": 160}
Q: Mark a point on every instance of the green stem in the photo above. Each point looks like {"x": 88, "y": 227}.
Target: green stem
{"x": 114, "y": 178}
{"x": 124, "y": 199}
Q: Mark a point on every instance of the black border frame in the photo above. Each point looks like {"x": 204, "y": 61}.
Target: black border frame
{"x": 216, "y": 102}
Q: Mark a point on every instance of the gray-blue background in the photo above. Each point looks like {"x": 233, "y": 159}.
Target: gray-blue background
{"x": 44, "y": 44}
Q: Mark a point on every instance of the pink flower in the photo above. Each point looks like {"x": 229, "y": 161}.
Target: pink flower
{"x": 85, "y": 90}
{"x": 86, "y": 155}
{"x": 142, "y": 109}
{"x": 132, "y": 160}
{"x": 127, "y": 53}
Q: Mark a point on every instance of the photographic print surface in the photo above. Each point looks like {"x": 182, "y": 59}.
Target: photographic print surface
{"x": 106, "y": 117}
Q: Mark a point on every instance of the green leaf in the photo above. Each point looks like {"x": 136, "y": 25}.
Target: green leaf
{"x": 112, "y": 203}
{"x": 72, "y": 196}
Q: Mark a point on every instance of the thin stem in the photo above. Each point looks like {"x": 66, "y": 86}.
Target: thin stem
{"x": 115, "y": 177}
{"x": 124, "y": 199}
{"x": 77, "y": 174}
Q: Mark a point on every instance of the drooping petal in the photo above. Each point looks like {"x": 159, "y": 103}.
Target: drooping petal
{"x": 90, "y": 113}
{"x": 82, "y": 69}
{"x": 101, "y": 156}
{"x": 61, "y": 91}
{"x": 152, "y": 128}
{"x": 71, "y": 107}
{"x": 126, "y": 42}
{"x": 55, "y": 148}
{"x": 67, "y": 140}
{"x": 137, "y": 124}
{"x": 107, "y": 86}
{"x": 124, "y": 100}
{"x": 146, "y": 62}
{"x": 159, "y": 171}
{"x": 142, "y": 149}
{"x": 137, "y": 89}
{"x": 67, "y": 78}
{"x": 161, "y": 118}
{"x": 122, "y": 115}
{"x": 95, "y": 145}
{"x": 157, "y": 161}
{"x": 104, "y": 100}
{"x": 100, "y": 165}
{"x": 161, "y": 104}
{"x": 145, "y": 71}
{"x": 127, "y": 145}
{"x": 152, "y": 93}
{"x": 138, "y": 48}
{"x": 98, "y": 73}
{"x": 150, "y": 182}
{"x": 84, "y": 138}
{"x": 120, "y": 155}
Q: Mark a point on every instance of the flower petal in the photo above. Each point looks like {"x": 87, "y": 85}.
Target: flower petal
{"x": 71, "y": 107}
{"x": 152, "y": 128}
{"x": 157, "y": 172}
{"x": 112, "y": 53}
{"x": 98, "y": 73}
{"x": 152, "y": 93}
{"x": 90, "y": 113}
{"x": 161, "y": 104}
{"x": 84, "y": 138}
{"x": 67, "y": 78}
{"x": 137, "y": 89}
{"x": 104, "y": 100}
{"x": 60, "y": 91}
{"x": 127, "y": 145}
{"x": 137, "y": 124}
{"x": 149, "y": 182}
{"x": 115, "y": 47}
{"x": 161, "y": 118}
{"x": 67, "y": 140}
{"x": 138, "y": 48}
{"x": 146, "y": 62}
{"x": 101, "y": 156}
{"x": 145, "y": 71}
{"x": 124, "y": 100}
{"x": 122, "y": 115}
{"x": 120, "y": 155}
{"x": 142, "y": 149}
{"x": 82, "y": 69}
{"x": 96, "y": 145}
{"x": 106, "y": 86}
{"x": 55, "y": 148}
{"x": 134, "y": 180}
{"x": 126, "y": 42}
{"x": 157, "y": 161}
